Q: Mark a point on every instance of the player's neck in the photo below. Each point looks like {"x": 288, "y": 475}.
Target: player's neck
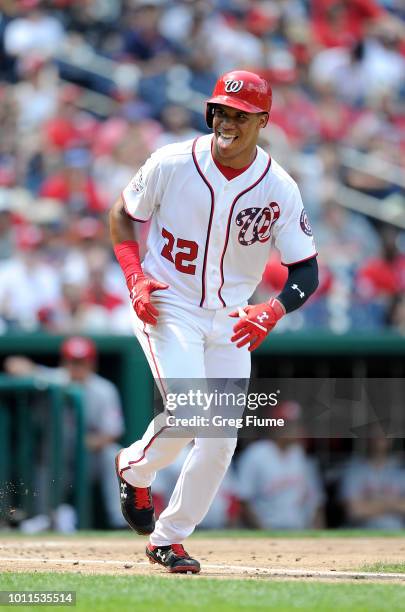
{"x": 244, "y": 160}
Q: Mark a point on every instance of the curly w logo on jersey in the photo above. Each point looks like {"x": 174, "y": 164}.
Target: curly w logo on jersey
{"x": 256, "y": 223}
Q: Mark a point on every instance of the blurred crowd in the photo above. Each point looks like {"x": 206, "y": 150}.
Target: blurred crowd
{"x": 89, "y": 89}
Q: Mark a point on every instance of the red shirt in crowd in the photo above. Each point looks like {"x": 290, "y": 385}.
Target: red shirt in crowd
{"x": 107, "y": 300}
{"x": 379, "y": 277}
{"x": 339, "y": 23}
{"x": 57, "y": 186}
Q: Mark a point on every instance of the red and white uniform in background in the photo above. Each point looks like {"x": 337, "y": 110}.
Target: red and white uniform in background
{"x": 209, "y": 240}
{"x": 283, "y": 486}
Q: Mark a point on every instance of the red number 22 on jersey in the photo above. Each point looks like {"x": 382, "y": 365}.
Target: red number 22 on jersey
{"x": 187, "y": 253}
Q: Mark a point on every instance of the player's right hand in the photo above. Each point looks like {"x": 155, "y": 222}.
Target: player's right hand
{"x": 19, "y": 366}
{"x": 140, "y": 287}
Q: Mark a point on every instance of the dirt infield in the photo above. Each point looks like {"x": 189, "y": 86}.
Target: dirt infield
{"x": 328, "y": 558}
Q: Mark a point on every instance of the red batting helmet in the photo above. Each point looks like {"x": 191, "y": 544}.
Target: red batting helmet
{"x": 78, "y": 347}
{"x": 240, "y": 89}
{"x": 288, "y": 410}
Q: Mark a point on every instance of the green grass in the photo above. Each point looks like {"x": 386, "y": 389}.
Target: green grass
{"x": 180, "y": 594}
{"x": 229, "y": 533}
{"x": 395, "y": 568}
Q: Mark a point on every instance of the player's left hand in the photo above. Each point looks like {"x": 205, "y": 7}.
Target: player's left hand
{"x": 256, "y": 322}
{"x": 140, "y": 288}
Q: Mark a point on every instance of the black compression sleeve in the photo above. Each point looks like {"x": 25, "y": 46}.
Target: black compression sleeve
{"x": 302, "y": 281}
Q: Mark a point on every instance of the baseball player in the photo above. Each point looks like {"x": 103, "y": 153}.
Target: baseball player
{"x": 215, "y": 205}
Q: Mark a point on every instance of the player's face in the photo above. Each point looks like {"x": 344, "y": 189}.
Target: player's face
{"x": 235, "y": 135}
{"x": 79, "y": 369}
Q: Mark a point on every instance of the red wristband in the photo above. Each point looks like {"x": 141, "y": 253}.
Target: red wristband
{"x": 278, "y": 308}
{"x": 127, "y": 254}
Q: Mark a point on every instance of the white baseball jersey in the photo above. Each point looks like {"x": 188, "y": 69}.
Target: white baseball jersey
{"x": 209, "y": 237}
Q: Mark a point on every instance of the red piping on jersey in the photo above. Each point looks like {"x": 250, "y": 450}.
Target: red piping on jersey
{"x": 209, "y": 223}
{"x": 154, "y": 361}
{"x": 162, "y": 428}
{"x": 164, "y": 393}
{"x": 149, "y": 444}
{"x": 229, "y": 225}
{"x": 300, "y": 261}
{"x": 129, "y": 214}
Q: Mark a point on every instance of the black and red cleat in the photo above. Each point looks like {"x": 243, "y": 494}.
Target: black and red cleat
{"x": 136, "y": 504}
{"x": 174, "y": 558}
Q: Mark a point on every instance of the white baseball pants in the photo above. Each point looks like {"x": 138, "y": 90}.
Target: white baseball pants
{"x": 188, "y": 342}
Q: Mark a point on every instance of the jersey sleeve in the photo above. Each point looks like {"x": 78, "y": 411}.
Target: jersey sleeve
{"x": 141, "y": 195}
{"x": 292, "y": 231}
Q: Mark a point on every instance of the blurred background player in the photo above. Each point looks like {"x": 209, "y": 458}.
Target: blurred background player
{"x": 373, "y": 485}
{"x": 279, "y": 485}
{"x": 103, "y": 416}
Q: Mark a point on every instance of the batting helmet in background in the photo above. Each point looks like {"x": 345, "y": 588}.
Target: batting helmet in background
{"x": 240, "y": 89}
{"x": 78, "y": 347}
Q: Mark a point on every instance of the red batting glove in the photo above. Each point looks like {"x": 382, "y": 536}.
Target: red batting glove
{"x": 140, "y": 287}
{"x": 256, "y": 322}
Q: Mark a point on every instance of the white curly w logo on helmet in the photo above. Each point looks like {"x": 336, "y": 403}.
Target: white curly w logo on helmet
{"x": 232, "y": 86}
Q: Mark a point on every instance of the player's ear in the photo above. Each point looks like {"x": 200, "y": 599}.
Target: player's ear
{"x": 264, "y": 117}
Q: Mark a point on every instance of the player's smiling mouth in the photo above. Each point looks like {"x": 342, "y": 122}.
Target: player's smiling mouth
{"x": 225, "y": 140}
